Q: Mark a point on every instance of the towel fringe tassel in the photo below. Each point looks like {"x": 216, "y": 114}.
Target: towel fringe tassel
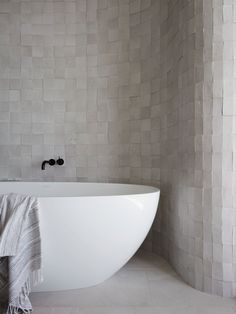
{"x": 16, "y": 310}
{"x": 35, "y": 278}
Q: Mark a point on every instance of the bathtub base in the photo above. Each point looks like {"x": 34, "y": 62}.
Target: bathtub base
{"x": 95, "y": 238}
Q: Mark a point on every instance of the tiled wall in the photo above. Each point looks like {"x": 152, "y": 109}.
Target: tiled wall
{"x": 136, "y": 91}
{"x": 197, "y": 110}
{"x": 180, "y": 225}
{"x": 75, "y": 82}
{"x": 223, "y": 147}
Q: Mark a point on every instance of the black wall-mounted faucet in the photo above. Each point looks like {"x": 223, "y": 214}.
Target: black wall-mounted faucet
{"x": 52, "y": 162}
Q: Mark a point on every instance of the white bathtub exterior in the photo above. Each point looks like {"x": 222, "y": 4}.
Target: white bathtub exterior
{"x": 89, "y": 231}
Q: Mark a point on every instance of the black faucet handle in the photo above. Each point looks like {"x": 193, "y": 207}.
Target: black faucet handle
{"x": 60, "y": 161}
{"x": 52, "y": 162}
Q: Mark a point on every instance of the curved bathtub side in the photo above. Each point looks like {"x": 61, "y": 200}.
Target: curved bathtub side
{"x": 85, "y": 240}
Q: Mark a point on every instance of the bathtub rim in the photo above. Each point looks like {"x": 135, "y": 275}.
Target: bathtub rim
{"x": 148, "y": 189}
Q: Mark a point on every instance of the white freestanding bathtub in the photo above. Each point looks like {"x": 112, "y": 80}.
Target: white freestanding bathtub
{"x": 88, "y": 230}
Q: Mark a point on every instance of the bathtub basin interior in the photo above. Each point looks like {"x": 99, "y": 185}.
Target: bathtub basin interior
{"x": 88, "y": 230}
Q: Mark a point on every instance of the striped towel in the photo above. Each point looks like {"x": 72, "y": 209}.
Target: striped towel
{"x": 20, "y": 252}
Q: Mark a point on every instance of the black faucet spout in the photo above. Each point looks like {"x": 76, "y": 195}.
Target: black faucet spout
{"x": 43, "y": 165}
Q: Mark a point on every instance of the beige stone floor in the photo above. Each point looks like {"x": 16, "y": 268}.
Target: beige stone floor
{"x": 146, "y": 285}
